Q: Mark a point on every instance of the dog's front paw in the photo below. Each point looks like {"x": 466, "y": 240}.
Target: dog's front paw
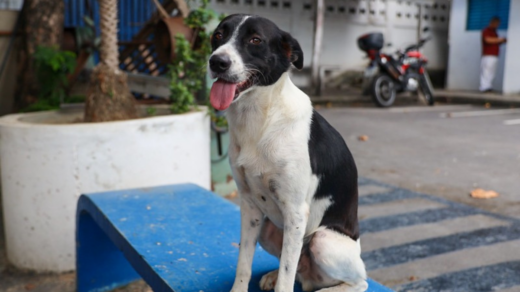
{"x": 268, "y": 281}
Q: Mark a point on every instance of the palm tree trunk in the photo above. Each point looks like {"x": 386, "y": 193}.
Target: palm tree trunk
{"x": 108, "y": 23}
{"x": 109, "y": 98}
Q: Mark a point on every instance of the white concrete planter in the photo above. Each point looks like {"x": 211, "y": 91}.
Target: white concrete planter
{"x": 46, "y": 164}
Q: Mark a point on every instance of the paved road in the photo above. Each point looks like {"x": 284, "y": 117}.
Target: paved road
{"x": 434, "y": 237}
{"x": 418, "y": 149}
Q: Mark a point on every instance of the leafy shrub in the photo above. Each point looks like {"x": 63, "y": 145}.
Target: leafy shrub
{"x": 51, "y": 68}
{"x": 188, "y": 70}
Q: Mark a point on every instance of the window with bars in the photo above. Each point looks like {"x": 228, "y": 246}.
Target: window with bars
{"x": 480, "y": 13}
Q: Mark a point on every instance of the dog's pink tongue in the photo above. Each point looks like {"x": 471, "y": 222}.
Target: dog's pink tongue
{"x": 222, "y": 94}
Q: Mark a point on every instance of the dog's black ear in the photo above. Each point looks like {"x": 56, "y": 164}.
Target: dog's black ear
{"x": 293, "y": 50}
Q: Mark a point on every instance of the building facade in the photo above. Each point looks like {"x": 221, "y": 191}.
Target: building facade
{"x": 346, "y": 20}
{"x": 468, "y": 18}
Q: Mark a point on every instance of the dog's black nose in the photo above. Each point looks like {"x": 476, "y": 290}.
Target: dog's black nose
{"x": 219, "y": 63}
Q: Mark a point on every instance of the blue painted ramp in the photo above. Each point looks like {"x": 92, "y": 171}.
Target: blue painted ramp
{"x": 177, "y": 238}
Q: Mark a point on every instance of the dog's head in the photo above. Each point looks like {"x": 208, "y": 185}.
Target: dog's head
{"x": 249, "y": 51}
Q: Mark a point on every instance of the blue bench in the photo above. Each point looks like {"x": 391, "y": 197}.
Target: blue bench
{"x": 177, "y": 238}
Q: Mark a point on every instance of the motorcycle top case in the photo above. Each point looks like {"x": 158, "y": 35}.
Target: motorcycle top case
{"x": 371, "y": 41}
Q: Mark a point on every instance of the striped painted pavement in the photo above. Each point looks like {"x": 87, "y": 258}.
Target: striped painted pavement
{"x": 417, "y": 242}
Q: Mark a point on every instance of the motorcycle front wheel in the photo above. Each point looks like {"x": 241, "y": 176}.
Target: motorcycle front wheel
{"x": 427, "y": 89}
{"x": 383, "y": 90}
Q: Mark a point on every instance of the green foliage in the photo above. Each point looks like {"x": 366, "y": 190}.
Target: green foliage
{"x": 219, "y": 120}
{"x": 51, "y": 68}
{"x": 186, "y": 75}
{"x": 201, "y": 16}
{"x": 151, "y": 111}
{"x": 188, "y": 71}
{"x": 75, "y": 99}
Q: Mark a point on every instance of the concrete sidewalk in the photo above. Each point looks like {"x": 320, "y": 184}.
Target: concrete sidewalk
{"x": 353, "y": 96}
{"x": 461, "y": 96}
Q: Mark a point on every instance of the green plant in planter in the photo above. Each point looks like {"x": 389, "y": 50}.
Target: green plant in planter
{"x": 186, "y": 75}
{"x": 188, "y": 71}
{"x": 51, "y": 67}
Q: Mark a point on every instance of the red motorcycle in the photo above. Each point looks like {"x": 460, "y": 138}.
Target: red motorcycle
{"x": 386, "y": 76}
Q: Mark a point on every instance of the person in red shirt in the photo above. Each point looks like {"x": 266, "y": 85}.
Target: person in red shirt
{"x": 490, "y": 48}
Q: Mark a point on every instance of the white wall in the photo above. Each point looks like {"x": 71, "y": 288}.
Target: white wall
{"x": 350, "y": 19}
{"x": 512, "y": 67}
{"x": 465, "y": 50}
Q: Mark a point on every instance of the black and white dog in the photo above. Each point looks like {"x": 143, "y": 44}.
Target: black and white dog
{"x": 294, "y": 172}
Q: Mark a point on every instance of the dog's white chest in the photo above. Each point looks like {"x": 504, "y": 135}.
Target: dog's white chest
{"x": 269, "y": 147}
{"x": 263, "y": 194}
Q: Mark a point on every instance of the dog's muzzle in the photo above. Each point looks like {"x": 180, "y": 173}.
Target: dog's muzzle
{"x": 219, "y": 63}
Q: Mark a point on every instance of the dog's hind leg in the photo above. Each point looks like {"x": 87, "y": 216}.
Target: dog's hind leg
{"x": 338, "y": 258}
{"x": 268, "y": 281}
{"x": 270, "y": 239}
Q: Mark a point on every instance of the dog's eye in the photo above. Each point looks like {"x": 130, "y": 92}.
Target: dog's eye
{"x": 218, "y": 36}
{"x": 255, "y": 41}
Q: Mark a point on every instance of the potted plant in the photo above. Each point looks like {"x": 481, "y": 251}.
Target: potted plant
{"x": 49, "y": 158}
{"x": 188, "y": 76}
